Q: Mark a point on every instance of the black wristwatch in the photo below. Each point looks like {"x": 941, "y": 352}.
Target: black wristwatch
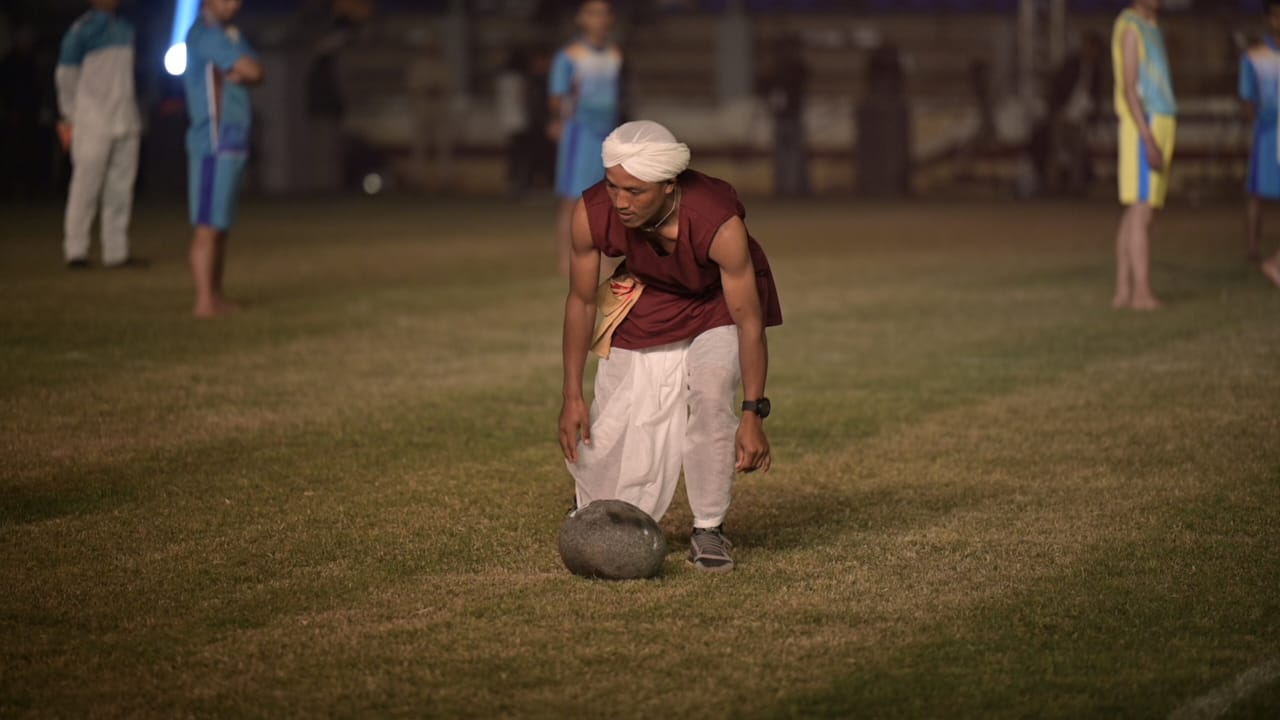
{"x": 759, "y": 407}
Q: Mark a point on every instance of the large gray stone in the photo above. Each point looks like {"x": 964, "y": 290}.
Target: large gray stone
{"x": 612, "y": 540}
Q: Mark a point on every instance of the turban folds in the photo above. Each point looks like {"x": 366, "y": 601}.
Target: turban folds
{"x": 647, "y": 150}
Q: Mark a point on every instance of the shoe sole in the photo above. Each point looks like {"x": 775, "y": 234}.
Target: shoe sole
{"x": 705, "y": 568}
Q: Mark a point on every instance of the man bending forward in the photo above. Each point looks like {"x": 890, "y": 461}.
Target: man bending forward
{"x": 684, "y": 320}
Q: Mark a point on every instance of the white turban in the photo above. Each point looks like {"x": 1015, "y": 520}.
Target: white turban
{"x": 646, "y": 150}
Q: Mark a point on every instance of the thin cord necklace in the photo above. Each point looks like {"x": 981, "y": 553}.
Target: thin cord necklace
{"x": 654, "y": 227}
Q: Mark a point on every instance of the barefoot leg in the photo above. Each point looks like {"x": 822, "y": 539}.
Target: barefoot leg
{"x": 1124, "y": 277}
{"x": 204, "y": 243}
{"x": 1140, "y": 258}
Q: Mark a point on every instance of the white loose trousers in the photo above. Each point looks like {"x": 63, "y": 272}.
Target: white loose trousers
{"x": 657, "y": 410}
{"x": 103, "y": 169}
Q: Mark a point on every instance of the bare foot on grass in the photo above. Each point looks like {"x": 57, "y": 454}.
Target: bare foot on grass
{"x": 216, "y": 309}
{"x": 1120, "y": 301}
{"x": 1271, "y": 268}
{"x": 1145, "y": 303}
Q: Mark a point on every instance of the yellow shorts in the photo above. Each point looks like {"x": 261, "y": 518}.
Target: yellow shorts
{"x": 1138, "y": 182}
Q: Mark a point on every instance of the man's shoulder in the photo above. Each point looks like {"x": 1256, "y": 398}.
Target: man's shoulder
{"x": 98, "y": 26}
{"x": 707, "y": 194}
{"x": 710, "y": 202}
{"x": 196, "y": 32}
{"x": 96, "y": 30}
{"x": 600, "y": 215}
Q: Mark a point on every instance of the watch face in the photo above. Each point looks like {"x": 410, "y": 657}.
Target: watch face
{"x": 763, "y": 407}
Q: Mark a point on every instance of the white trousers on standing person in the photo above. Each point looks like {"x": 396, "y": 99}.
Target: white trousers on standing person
{"x": 103, "y": 169}
{"x": 657, "y": 410}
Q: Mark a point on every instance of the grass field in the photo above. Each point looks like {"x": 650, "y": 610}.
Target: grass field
{"x": 992, "y": 495}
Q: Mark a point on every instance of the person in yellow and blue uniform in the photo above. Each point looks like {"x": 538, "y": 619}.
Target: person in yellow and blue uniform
{"x": 1147, "y": 110}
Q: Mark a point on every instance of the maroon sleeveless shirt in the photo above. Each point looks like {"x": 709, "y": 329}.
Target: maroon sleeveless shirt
{"x": 682, "y": 296}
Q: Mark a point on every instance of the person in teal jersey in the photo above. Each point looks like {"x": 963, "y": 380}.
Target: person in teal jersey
{"x": 1260, "y": 91}
{"x": 220, "y": 68}
{"x": 585, "y": 91}
{"x": 100, "y": 126}
{"x": 1147, "y": 110}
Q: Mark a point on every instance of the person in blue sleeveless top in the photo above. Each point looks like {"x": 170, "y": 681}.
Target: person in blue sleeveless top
{"x": 100, "y": 126}
{"x": 1147, "y": 110}
{"x": 585, "y": 92}
{"x": 1260, "y": 90}
{"x": 220, "y": 68}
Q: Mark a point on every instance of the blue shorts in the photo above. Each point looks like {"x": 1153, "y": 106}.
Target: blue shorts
{"x": 213, "y": 184}
{"x": 1264, "y": 164}
{"x": 578, "y": 163}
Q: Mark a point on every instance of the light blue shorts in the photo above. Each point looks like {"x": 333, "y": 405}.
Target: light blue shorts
{"x": 213, "y": 186}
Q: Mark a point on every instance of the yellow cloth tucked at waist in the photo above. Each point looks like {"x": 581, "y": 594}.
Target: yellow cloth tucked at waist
{"x": 614, "y": 299}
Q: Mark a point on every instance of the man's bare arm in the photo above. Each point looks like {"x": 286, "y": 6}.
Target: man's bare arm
{"x": 730, "y": 250}
{"x": 579, "y": 318}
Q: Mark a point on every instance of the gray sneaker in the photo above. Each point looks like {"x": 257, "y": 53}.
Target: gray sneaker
{"x": 709, "y": 550}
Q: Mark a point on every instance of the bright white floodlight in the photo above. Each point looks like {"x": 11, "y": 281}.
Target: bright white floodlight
{"x": 184, "y": 14}
{"x": 175, "y": 60}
